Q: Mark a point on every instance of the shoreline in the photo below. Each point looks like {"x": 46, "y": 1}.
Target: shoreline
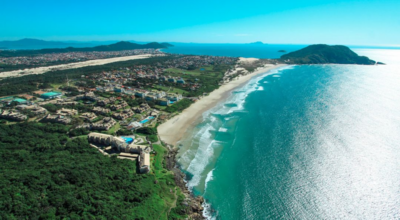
{"x": 44, "y": 69}
{"x": 173, "y": 130}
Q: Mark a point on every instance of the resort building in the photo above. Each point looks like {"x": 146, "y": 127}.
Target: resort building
{"x": 164, "y": 102}
{"x": 144, "y": 162}
{"x": 180, "y": 81}
{"x": 174, "y": 97}
{"x": 142, "y": 108}
{"x": 141, "y": 94}
{"x": 127, "y": 113}
{"x": 172, "y": 80}
{"x": 16, "y": 116}
{"x": 88, "y": 116}
{"x": 121, "y": 105}
{"x": 63, "y": 102}
{"x": 87, "y": 96}
{"x": 127, "y": 150}
{"x": 134, "y": 125}
{"x": 57, "y": 119}
{"x": 150, "y": 98}
{"x": 107, "y": 101}
{"x": 37, "y": 110}
{"x": 67, "y": 112}
{"x": 50, "y": 95}
{"x": 101, "y": 111}
{"x": 104, "y": 124}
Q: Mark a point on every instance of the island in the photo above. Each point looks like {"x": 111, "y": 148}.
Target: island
{"x": 257, "y": 43}
{"x": 325, "y": 54}
{"x": 282, "y": 51}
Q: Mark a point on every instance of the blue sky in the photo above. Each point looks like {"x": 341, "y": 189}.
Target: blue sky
{"x": 351, "y": 22}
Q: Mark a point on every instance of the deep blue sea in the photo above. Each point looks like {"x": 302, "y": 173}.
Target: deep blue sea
{"x": 302, "y": 142}
{"x": 233, "y": 50}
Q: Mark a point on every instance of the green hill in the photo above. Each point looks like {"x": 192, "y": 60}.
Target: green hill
{"x": 122, "y": 45}
{"x": 323, "y": 54}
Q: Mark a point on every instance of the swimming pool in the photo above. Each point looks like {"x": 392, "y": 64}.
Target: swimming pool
{"x": 128, "y": 140}
{"x": 146, "y": 120}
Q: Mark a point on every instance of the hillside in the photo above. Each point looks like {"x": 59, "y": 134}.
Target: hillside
{"x": 322, "y": 53}
{"x": 31, "y": 44}
{"x": 122, "y": 45}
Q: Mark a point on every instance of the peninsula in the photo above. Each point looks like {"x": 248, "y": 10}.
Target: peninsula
{"x": 325, "y": 54}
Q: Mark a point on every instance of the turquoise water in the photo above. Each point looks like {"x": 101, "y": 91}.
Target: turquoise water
{"x": 147, "y": 119}
{"x": 240, "y": 50}
{"x": 233, "y": 50}
{"x": 302, "y": 142}
{"x": 128, "y": 140}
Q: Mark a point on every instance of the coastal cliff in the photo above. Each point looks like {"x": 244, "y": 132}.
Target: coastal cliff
{"x": 191, "y": 205}
{"x": 325, "y": 54}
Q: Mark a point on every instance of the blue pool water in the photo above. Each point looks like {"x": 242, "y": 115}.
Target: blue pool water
{"x": 147, "y": 119}
{"x": 128, "y": 140}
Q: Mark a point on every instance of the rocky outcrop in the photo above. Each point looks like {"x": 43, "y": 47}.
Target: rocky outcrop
{"x": 193, "y": 203}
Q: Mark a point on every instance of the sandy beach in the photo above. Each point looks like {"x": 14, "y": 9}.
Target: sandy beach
{"x": 41, "y": 70}
{"x": 173, "y": 130}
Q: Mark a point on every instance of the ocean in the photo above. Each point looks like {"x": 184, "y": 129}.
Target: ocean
{"x": 233, "y": 50}
{"x": 302, "y": 142}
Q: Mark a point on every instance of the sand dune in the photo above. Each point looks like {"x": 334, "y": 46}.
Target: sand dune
{"x": 41, "y": 70}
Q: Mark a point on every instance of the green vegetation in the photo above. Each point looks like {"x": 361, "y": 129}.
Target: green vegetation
{"x": 30, "y": 83}
{"x": 170, "y": 89}
{"x": 147, "y": 130}
{"x": 321, "y": 53}
{"x": 44, "y": 175}
{"x": 122, "y": 45}
{"x": 179, "y": 106}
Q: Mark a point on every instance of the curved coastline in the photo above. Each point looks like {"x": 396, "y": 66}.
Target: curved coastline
{"x": 173, "y": 130}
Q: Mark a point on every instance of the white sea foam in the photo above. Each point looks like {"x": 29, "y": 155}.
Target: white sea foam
{"x": 209, "y": 178}
{"x": 222, "y": 129}
{"x": 203, "y": 144}
{"x": 208, "y": 212}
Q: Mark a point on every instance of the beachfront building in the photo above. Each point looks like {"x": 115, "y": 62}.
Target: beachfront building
{"x": 174, "y": 97}
{"x": 127, "y": 150}
{"x": 164, "y": 102}
{"x": 50, "y": 95}
{"x": 141, "y": 94}
{"x": 134, "y": 125}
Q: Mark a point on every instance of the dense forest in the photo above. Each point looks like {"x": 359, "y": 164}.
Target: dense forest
{"x": 45, "y": 175}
